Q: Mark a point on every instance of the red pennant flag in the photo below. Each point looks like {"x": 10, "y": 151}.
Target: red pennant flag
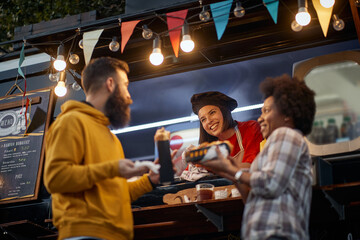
{"x": 175, "y": 20}
{"x": 127, "y": 29}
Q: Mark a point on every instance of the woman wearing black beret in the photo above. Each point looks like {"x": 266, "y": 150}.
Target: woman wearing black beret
{"x": 214, "y": 112}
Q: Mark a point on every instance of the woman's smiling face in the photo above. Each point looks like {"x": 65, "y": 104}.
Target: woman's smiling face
{"x": 211, "y": 119}
{"x": 270, "y": 118}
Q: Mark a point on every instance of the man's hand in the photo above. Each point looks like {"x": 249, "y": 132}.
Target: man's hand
{"x": 127, "y": 169}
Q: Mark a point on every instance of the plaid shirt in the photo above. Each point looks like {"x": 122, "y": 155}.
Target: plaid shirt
{"x": 281, "y": 187}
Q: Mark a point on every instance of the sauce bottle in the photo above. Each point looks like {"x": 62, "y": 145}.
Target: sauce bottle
{"x": 162, "y": 138}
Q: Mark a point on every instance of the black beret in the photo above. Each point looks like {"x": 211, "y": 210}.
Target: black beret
{"x": 212, "y": 98}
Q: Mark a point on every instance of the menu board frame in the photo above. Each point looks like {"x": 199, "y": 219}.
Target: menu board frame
{"x": 21, "y": 146}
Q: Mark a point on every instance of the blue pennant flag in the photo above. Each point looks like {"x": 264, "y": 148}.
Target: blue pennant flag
{"x": 21, "y": 60}
{"x": 272, "y": 6}
{"x": 220, "y": 12}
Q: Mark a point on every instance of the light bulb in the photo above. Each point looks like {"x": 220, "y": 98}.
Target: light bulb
{"x": 357, "y": 3}
{"x": 187, "y": 45}
{"x": 60, "y": 89}
{"x": 59, "y": 63}
{"x": 295, "y": 26}
{"x": 338, "y": 24}
{"x": 327, "y": 3}
{"x": 81, "y": 44}
{"x": 204, "y": 15}
{"x": 54, "y": 77}
{"x": 114, "y": 45}
{"x": 147, "y": 33}
{"x": 156, "y": 58}
{"x": 74, "y": 58}
{"x": 239, "y": 11}
{"x": 303, "y": 17}
{"x": 75, "y": 86}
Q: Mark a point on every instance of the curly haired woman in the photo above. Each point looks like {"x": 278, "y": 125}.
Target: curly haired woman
{"x": 279, "y": 181}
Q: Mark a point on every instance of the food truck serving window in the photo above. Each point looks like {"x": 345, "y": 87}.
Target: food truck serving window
{"x": 335, "y": 80}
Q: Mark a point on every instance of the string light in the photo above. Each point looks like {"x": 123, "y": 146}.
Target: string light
{"x": 81, "y": 44}
{"x": 75, "y": 86}
{"x": 114, "y": 45}
{"x": 60, "y": 89}
{"x": 338, "y": 24}
{"x": 204, "y": 15}
{"x": 54, "y": 77}
{"x": 303, "y": 17}
{"x": 156, "y": 58}
{"x": 74, "y": 58}
{"x": 147, "y": 33}
{"x": 295, "y": 26}
{"x": 239, "y": 11}
{"x": 187, "y": 45}
{"x": 327, "y": 3}
{"x": 59, "y": 63}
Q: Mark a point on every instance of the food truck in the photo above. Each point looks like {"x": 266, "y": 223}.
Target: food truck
{"x": 232, "y": 58}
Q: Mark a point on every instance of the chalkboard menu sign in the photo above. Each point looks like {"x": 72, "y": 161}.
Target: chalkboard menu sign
{"x": 23, "y": 122}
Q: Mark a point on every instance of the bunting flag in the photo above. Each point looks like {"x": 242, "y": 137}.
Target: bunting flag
{"x": 272, "y": 6}
{"x": 21, "y": 60}
{"x": 324, "y": 16}
{"x": 127, "y": 29}
{"x": 175, "y": 20}
{"x": 90, "y": 39}
{"x": 220, "y": 12}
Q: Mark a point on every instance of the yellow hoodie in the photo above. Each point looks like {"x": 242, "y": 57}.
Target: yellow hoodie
{"x": 81, "y": 173}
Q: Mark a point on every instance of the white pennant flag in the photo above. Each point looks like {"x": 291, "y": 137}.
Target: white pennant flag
{"x": 89, "y": 41}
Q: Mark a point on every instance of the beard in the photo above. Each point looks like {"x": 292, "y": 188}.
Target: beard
{"x": 117, "y": 109}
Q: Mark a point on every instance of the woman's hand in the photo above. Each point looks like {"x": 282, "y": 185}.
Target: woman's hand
{"x": 188, "y": 149}
{"x": 222, "y": 166}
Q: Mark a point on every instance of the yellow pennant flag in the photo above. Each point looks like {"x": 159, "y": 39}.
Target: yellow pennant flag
{"x": 324, "y": 15}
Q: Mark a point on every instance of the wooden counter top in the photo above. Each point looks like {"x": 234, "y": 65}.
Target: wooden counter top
{"x": 166, "y": 221}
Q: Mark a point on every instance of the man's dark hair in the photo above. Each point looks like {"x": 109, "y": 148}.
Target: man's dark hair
{"x": 293, "y": 99}
{"x": 100, "y": 69}
{"x": 228, "y": 123}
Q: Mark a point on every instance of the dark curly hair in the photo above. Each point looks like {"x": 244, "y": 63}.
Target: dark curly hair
{"x": 293, "y": 99}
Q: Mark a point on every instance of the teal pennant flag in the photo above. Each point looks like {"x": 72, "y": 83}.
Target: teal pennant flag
{"x": 272, "y": 6}
{"x": 220, "y": 12}
{"x": 21, "y": 60}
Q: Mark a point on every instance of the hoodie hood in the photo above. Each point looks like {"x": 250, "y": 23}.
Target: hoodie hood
{"x": 72, "y": 106}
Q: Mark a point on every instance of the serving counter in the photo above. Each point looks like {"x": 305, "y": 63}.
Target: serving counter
{"x": 335, "y": 213}
{"x": 214, "y": 217}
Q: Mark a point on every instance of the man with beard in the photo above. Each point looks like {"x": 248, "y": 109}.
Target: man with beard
{"x": 85, "y": 168}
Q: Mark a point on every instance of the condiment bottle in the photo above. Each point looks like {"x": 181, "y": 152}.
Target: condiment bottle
{"x": 162, "y": 138}
{"x": 331, "y": 131}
